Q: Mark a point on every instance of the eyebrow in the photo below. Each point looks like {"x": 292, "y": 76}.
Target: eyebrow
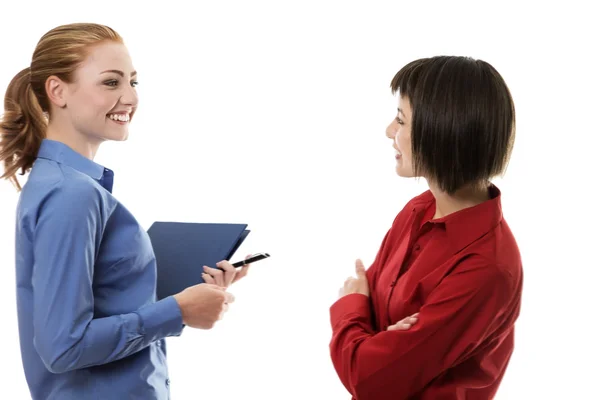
{"x": 401, "y": 112}
{"x": 116, "y": 71}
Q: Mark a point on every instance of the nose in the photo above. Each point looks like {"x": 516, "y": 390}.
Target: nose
{"x": 390, "y": 131}
{"x": 130, "y": 97}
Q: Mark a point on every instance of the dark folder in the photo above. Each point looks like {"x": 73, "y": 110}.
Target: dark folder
{"x": 183, "y": 248}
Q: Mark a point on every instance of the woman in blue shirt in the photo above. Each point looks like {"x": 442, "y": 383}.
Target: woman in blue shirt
{"x": 89, "y": 323}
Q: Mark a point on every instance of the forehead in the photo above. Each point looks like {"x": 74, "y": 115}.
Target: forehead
{"x": 106, "y": 56}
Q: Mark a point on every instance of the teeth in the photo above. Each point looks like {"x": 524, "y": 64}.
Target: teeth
{"x": 119, "y": 117}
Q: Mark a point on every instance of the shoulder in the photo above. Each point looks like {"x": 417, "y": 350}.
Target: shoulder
{"x": 489, "y": 274}
{"x": 61, "y": 192}
{"x": 500, "y": 249}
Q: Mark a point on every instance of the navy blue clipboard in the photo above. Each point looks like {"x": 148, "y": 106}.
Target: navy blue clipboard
{"x": 182, "y": 248}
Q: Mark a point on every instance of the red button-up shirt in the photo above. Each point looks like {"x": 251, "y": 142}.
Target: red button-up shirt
{"x": 463, "y": 274}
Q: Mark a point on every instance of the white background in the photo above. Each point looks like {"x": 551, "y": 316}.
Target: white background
{"x": 273, "y": 114}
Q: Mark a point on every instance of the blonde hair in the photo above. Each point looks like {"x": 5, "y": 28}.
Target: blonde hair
{"x": 23, "y": 124}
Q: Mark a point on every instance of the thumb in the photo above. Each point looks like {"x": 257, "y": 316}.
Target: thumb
{"x": 360, "y": 269}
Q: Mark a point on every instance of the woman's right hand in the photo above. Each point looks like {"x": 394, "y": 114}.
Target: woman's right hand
{"x": 203, "y": 305}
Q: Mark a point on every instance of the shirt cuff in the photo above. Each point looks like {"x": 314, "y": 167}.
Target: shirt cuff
{"x": 351, "y": 305}
{"x": 161, "y": 319}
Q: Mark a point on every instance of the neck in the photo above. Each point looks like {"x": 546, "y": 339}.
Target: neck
{"x": 82, "y": 144}
{"x": 465, "y": 197}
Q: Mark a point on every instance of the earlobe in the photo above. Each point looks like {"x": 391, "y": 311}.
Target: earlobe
{"x": 56, "y": 90}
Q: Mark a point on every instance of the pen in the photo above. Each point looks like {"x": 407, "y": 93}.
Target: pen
{"x": 254, "y": 258}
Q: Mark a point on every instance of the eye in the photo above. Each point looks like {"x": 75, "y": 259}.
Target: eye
{"x": 112, "y": 83}
{"x": 134, "y": 83}
{"x": 398, "y": 120}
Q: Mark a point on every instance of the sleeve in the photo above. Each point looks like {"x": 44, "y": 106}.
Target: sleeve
{"x": 66, "y": 335}
{"x": 458, "y": 316}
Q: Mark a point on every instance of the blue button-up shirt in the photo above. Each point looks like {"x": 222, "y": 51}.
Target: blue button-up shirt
{"x": 89, "y": 323}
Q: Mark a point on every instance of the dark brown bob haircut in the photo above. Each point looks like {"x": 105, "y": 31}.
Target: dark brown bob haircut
{"x": 463, "y": 119}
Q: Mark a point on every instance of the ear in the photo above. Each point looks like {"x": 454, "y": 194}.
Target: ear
{"x": 56, "y": 89}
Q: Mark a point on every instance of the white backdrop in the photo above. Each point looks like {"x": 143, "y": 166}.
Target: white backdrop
{"x": 273, "y": 114}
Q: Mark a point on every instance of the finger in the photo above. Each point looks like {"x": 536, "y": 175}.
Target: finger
{"x": 399, "y": 327}
{"x": 242, "y": 272}
{"x": 208, "y": 279}
{"x": 224, "y": 309}
{"x": 229, "y": 298}
{"x": 360, "y": 269}
{"x": 348, "y": 283}
{"x": 409, "y": 320}
{"x": 404, "y": 324}
{"x": 229, "y": 273}
{"x": 217, "y": 274}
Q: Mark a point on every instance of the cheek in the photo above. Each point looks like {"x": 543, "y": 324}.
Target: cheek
{"x": 98, "y": 104}
{"x": 402, "y": 140}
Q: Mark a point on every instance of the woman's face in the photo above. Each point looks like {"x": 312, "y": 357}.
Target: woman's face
{"x": 102, "y": 98}
{"x": 400, "y": 131}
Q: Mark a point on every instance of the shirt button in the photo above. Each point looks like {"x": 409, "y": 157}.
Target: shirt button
{"x": 168, "y": 382}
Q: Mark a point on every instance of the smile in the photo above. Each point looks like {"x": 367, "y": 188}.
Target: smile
{"x": 119, "y": 117}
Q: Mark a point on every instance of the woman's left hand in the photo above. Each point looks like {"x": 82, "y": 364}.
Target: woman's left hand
{"x": 358, "y": 284}
{"x": 226, "y": 275}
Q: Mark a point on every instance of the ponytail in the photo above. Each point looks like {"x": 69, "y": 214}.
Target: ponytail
{"x": 22, "y": 127}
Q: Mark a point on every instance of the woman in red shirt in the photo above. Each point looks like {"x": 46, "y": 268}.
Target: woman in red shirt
{"x": 434, "y": 315}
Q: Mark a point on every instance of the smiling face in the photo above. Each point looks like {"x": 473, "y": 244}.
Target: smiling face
{"x": 102, "y": 98}
{"x": 399, "y": 130}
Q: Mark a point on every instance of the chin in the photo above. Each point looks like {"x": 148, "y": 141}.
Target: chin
{"x": 121, "y": 137}
{"x": 403, "y": 174}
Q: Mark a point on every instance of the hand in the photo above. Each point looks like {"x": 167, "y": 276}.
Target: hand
{"x": 404, "y": 324}
{"x": 226, "y": 277}
{"x": 358, "y": 284}
{"x": 203, "y": 305}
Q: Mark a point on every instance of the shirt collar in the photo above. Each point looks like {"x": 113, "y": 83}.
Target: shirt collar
{"x": 467, "y": 225}
{"x": 63, "y": 154}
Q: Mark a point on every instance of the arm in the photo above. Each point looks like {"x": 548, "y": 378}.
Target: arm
{"x": 66, "y": 334}
{"x": 458, "y": 316}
